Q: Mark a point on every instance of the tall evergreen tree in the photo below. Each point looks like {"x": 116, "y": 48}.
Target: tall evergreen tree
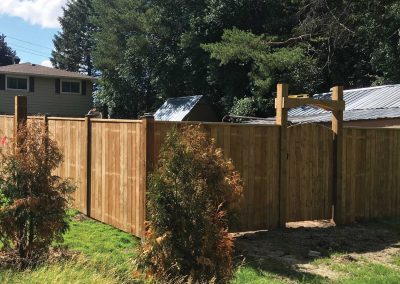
{"x": 7, "y": 55}
{"x": 73, "y": 44}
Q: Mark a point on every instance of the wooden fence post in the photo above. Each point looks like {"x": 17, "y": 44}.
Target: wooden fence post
{"x": 281, "y": 120}
{"x": 148, "y": 126}
{"x": 337, "y": 128}
{"x": 87, "y": 175}
{"x": 20, "y": 116}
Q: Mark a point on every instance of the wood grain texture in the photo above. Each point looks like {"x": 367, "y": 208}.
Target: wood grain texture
{"x": 254, "y": 151}
{"x": 371, "y": 171}
{"x": 118, "y": 185}
{"x": 310, "y": 168}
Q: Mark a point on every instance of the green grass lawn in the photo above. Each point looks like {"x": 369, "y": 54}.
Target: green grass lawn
{"x": 102, "y": 254}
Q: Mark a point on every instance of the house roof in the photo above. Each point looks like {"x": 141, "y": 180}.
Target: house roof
{"x": 176, "y": 109}
{"x": 42, "y": 71}
{"x": 361, "y": 104}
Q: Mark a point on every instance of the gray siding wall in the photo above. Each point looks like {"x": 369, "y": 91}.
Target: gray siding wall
{"x": 45, "y": 100}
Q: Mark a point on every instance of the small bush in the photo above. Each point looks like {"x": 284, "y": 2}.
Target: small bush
{"x": 253, "y": 106}
{"x": 193, "y": 196}
{"x": 33, "y": 201}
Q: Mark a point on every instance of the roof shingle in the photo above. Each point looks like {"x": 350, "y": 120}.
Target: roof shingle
{"x": 39, "y": 70}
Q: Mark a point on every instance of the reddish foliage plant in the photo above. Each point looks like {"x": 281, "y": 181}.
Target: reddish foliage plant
{"x": 33, "y": 201}
{"x": 193, "y": 196}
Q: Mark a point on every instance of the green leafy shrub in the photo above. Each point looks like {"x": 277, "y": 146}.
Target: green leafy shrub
{"x": 253, "y": 106}
{"x": 193, "y": 196}
{"x": 33, "y": 201}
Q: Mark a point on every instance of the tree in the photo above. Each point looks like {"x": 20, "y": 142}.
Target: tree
{"x": 271, "y": 61}
{"x": 193, "y": 196}
{"x": 229, "y": 50}
{"x": 357, "y": 42}
{"x": 7, "y": 55}
{"x": 33, "y": 201}
{"x": 73, "y": 45}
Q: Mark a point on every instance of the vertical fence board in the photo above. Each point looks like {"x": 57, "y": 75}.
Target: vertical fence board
{"x": 254, "y": 151}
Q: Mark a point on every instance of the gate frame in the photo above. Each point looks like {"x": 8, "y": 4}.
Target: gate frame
{"x": 337, "y": 105}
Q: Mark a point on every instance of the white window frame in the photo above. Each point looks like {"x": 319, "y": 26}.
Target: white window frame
{"x": 72, "y": 81}
{"x": 18, "y": 77}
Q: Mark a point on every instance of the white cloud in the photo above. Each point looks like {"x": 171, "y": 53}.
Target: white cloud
{"x": 44, "y": 13}
{"x": 46, "y": 63}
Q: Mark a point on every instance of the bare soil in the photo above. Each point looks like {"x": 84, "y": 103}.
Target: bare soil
{"x": 301, "y": 243}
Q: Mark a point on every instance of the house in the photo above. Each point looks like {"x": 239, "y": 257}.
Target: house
{"x": 52, "y": 91}
{"x": 365, "y": 107}
{"x": 192, "y": 108}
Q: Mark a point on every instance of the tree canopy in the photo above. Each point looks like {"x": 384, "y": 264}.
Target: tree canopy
{"x": 7, "y": 54}
{"x": 74, "y": 43}
{"x": 234, "y": 51}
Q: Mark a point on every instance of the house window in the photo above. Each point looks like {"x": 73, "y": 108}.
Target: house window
{"x": 70, "y": 87}
{"x": 17, "y": 83}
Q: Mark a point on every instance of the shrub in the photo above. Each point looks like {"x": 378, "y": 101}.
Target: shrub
{"x": 193, "y": 196}
{"x": 33, "y": 201}
{"x": 253, "y": 106}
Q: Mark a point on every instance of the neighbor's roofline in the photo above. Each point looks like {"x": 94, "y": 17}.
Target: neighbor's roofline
{"x": 42, "y": 71}
{"x": 85, "y": 77}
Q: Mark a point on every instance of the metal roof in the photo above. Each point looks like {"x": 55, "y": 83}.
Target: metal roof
{"x": 361, "y": 104}
{"x": 176, "y": 109}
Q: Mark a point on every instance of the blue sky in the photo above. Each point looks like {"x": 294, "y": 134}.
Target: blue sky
{"x": 30, "y": 26}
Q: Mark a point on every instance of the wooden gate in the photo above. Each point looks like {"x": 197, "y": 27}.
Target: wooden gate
{"x": 309, "y": 173}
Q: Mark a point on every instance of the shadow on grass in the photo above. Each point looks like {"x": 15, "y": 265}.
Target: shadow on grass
{"x": 281, "y": 251}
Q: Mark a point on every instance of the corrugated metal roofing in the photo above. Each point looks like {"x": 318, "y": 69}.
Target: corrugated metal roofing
{"x": 349, "y": 115}
{"x": 176, "y": 109}
{"x": 361, "y": 104}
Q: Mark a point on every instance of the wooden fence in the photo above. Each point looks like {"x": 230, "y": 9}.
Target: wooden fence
{"x": 110, "y": 159}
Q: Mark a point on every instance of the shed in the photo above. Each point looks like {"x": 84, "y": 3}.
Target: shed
{"x": 191, "y": 108}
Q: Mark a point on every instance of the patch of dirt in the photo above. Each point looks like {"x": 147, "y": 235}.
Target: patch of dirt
{"x": 300, "y": 244}
{"x": 80, "y": 217}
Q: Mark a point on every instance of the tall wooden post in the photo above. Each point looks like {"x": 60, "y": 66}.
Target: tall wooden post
{"x": 337, "y": 128}
{"x": 281, "y": 120}
{"x": 148, "y": 148}
{"x": 88, "y": 161}
{"x": 20, "y": 116}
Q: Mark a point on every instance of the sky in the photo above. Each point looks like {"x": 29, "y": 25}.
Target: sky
{"x": 29, "y": 26}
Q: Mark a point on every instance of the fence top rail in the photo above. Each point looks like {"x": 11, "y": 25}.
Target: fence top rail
{"x": 115, "y": 120}
{"x": 372, "y": 128}
{"x": 66, "y": 118}
{"x": 35, "y": 116}
{"x": 217, "y": 123}
{"x": 7, "y": 115}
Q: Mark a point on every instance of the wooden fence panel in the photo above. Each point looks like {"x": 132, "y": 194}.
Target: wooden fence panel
{"x": 70, "y": 135}
{"x": 7, "y": 125}
{"x": 117, "y": 174}
{"x": 254, "y": 150}
{"x": 309, "y": 173}
{"x": 371, "y": 173}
